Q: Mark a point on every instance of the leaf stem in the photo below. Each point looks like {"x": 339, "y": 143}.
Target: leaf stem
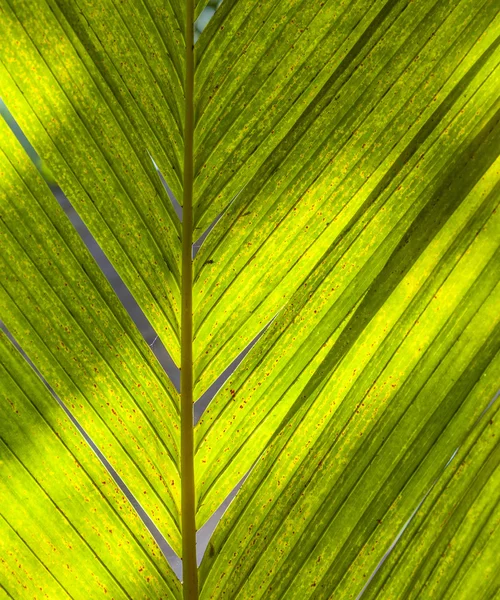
{"x": 188, "y": 498}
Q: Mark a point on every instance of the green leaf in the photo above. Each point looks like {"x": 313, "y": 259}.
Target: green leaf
{"x": 342, "y": 460}
{"x": 97, "y": 137}
{"x": 377, "y": 233}
{"x": 343, "y": 158}
{"x": 66, "y": 317}
{"x": 362, "y": 133}
{"x": 449, "y": 548}
{"x": 67, "y": 531}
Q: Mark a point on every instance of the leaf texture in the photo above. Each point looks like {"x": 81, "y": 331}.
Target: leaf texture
{"x": 368, "y": 228}
{"x": 98, "y": 89}
{"x": 448, "y": 550}
{"x": 346, "y": 168}
{"x": 64, "y": 314}
{"x": 328, "y": 497}
{"x": 53, "y": 488}
{"x": 396, "y": 82}
{"x": 441, "y": 171}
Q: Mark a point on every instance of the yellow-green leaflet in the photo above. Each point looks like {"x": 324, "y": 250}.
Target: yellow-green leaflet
{"x": 66, "y": 529}
{"x": 456, "y": 534}
{"x": 61, "y": 309}
{"x": 337, "y": 165}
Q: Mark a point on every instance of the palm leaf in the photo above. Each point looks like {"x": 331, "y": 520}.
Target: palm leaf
{"x": 111, "y": 180}
{"x": 460, "y": 535}
{"x": 61, "y": 309}
{"x": 344, "y": 159}
{"x": 66, "y": 529}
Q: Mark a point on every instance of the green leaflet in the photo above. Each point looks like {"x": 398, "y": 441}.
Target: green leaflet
{"x": 288, "y": 493}
{"x": 110, "y": 180}
{"x": 348, "y": 153}
{"x": 405, "y": 210}
{"x": 66, "y": 529}
{"x": 448, "y": 549}
{"x": 64, "y": 314}
{"x": 360, "y": 148}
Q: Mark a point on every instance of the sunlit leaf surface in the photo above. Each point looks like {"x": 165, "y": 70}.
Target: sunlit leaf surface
{"x": 345, "y": 162}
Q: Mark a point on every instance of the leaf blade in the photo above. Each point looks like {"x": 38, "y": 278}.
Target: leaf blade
{"x": 111, "y": 181}
{"x": 259, "y": 231}
{"x": 64, "y": 314}
{"x": 460, "y": 511}
{"x": 51, "y": 497}
{"x": 323, "y": 303}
